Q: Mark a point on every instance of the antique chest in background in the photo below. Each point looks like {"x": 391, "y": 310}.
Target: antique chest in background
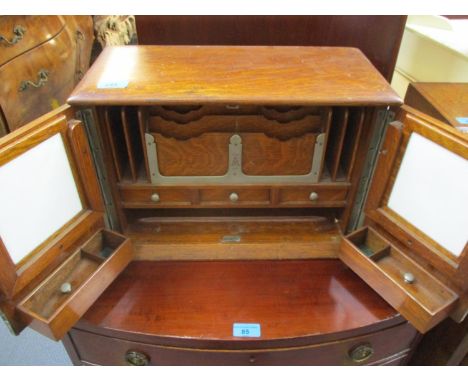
{"x": 42, "y": 58}
{"x": 235, "y": 179}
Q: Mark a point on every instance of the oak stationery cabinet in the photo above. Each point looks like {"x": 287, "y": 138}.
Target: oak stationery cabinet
{"x": 228, "y": 211}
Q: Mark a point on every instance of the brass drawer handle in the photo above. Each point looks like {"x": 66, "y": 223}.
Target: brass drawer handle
{"x": 136, "y": 358}
{"x": 361, "y": 353}
{"x": 155, "y": 197}
{"x": 18, "y": 34}
{"x": 42, "y": 78}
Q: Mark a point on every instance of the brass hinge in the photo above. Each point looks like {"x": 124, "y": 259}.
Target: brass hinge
{"x": 384, "y": 117}
{"x": 86, "y": 115}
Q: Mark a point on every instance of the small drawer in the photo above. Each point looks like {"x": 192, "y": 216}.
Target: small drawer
{"x": 235, "y": 196}
{"x": 409, "y": 288}
{"x": 63, "y": 297}
{"x": 157, "y": 197}
{"x": 313, "y": 196}
{"x": 362, "y": 350}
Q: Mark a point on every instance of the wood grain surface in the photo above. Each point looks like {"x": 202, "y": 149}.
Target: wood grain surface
{"x": 59, "y": 47}
{"x": 378, "y": 37}
{"x": 138, "y": 196}
{"x": 36, "y": 30}
{"x": 205, "y": 155}
{"x": 235, "y": 75}
{"x": 390, "y": 345}
{"x": 425, "y": 303}
{"x": 450, "y": 269}
{"x": 444, "y": 101}
{"x": 198, "y": 302}
{"x": 268, "y": 238}
{"x": 89, "y": 279}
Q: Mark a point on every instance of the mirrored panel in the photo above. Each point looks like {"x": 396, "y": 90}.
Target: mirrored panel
{"x": 431, "y": 193}
{"x": 38, "y": 196}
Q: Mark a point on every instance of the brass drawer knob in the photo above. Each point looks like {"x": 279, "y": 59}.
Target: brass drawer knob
{"x": 313, "y": 196}
{"x": 155, "y": 197}
{"x": 361, "y": 353}
{"x": 234, "y": 197}
{"x": 136, "y": 358}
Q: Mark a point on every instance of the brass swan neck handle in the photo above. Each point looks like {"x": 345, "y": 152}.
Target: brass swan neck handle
{"x": 42, "y": 78}
{"x": 18, "y": 34}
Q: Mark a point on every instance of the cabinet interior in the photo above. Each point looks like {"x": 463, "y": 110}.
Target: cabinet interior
{"x": 183, "y": 134}
{"x": 303, "y": 156}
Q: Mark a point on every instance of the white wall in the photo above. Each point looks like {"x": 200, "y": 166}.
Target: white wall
{"x": 433, "y": 49}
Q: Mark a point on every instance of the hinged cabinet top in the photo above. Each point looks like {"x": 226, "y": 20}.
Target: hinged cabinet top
{"x": 142, "y": 75}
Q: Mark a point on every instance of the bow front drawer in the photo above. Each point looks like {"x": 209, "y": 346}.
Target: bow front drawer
{"x": 369, "y": 349}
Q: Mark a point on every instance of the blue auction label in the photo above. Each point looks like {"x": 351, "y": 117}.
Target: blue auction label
{"x": 462, "y": 120}
{"x": 119, "y": 84}
{"x": 246, "y": 330}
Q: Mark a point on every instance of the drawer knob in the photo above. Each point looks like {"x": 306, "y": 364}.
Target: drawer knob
{"x": 409, "y": 278}
{"x": 361, "y": 353}
{"x": 136, "y": 358}
{"x": 313, "y": 196}
{"x": 252, "y": 359}
{"x": 65, "y": 288}
{"x": 155, "y": 197}
{"x": 234, "y": 197}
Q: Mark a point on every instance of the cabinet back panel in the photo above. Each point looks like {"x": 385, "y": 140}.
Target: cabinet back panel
{"x": 205, "y": 155}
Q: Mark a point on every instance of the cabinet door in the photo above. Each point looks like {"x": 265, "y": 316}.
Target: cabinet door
{"x": 56, "y": 257}
{"x": 414, "y": 252}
